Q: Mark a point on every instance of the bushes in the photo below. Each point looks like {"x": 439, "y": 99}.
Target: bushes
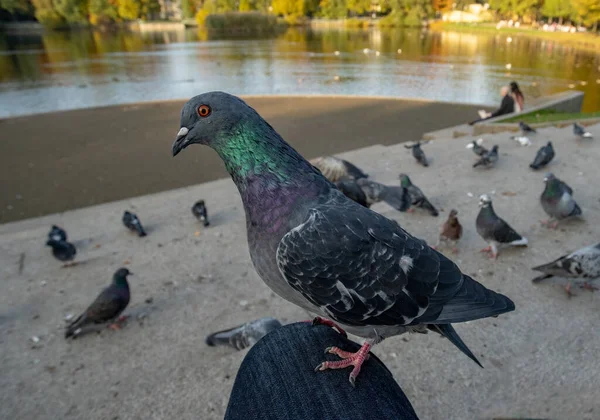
{"x": 356, "y": 23}
{"x": 241, "y": 21}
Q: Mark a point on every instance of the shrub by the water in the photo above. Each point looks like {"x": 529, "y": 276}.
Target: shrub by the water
{"x": 241, "y": 21}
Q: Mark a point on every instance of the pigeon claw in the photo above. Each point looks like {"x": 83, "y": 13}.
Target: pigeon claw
{"x": 348, "y": 359}
{"x": 115, "y": 327}
{"x": 322, "y": 321}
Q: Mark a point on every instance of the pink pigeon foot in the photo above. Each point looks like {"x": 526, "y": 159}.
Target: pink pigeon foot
{"x": 348, "y": 359}
{"x": 323, "y": 321}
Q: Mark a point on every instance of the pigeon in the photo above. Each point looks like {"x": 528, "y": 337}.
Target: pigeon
{"x": 543, "y": 156}
{"x": 395, "y": 196}
{"x": 526, "y": 129}
{"x": 334, "y": 169}
{"x": 418, "y": 153}
{"x": 245, "y": 335}
{"x": 477, "y": 148}
{"x": 581, "y": 265}
{"x": 320, "y": 250}
{"x": 522, "y": 140}
{"x": 63, "y": 251}
{"x": 417, "y": 198}
{"x": 132, "y": 222}
{"x": 57, "y": 234}
{"x": 494, "y": 230}
{"x": 489, "y": 159}
{"x": 580, "y": 132}
{"x": 557, "y": 201}
{"x": 351, "y": 189}
{"x": 107, "y": 307}
{"x": 199, "y": 210}
{"x": 451, "y": 230}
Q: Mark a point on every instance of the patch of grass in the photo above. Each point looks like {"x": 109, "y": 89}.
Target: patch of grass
{"x": 549, "y": 115}
{"x": 356, "y": 23}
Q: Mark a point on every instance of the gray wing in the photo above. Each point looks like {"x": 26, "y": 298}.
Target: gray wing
{"x": 363, "y": 269}
{"x": 584, "y": 263}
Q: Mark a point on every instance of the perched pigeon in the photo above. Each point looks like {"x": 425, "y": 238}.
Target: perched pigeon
{"x": 245, "y": 335}
{"x": 581, "y": 265}
{"x": 397, "y": 197}
{"x": 476, "y": 146}
{"x": 57, "y": 234}
{"x": 63, "y": 251}
{"x": 526, "y": 129}
{"x": 451, "y": 230}
{"x": 489, "y": 159}
{"x": 132, "y": 222}
{"x": 557, "y": 201}
{"x": 418, "y": 153}
{"x": 107, "y": 307}
{"x": 494, "y": 230}
{"x": 320, "y": 250}
{"x": 579, "y": 131}
{"x": 199, "y": 210}
{"x": 543, "y": 156}
{"x": 417, "y": 198}
{"x": 335, "y": 169}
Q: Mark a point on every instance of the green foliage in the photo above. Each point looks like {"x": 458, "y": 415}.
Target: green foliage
{"x": 359, "y": 7}
{"x": 16, "y": 6}
{"x": 588, "y": 12}
{"x": 242, "y": 22}
{"x": 149, "y": 8}
{"x": 102, "y": 12}
{"x": 245, "y": 6}
{"x": 394, "y": 19}
{"x": 73, "y": 11}
{"x": 333, "y": 9}
{"x": 188, "y": 9}
{"x": 289, "y": 7}
{"x": 516, "y": 8}
{"x": 558, "y": 8}
{"x": 129, "y": 9}
{"x": 356, "y": 23}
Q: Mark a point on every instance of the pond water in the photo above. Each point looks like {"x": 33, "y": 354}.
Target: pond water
{"x": 68, "y": 70}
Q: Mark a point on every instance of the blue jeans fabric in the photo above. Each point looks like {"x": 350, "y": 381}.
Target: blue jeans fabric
{"x": 277, "y": 381}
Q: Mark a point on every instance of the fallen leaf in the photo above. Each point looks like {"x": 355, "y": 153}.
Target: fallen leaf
{"x": 509, "y": 193}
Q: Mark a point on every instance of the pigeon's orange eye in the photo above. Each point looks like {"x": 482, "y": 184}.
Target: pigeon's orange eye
{"x": 204, "y": 110}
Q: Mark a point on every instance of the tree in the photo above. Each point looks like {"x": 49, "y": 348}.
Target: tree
{"x": 588, "y": 12}
{"x": 558, "y": 9}
{"x": 16, "y": 6}
{"x": 188, "y": 9}
{"x": 129, "y": 9}
{"x": 45, "y": 13}
{"x": 149, "y": 9}
{"x": 359, "y": 7}
{"x": 73, "y": 11}
{"x": 102, "y": 11}
{"x": 289, "y": 7}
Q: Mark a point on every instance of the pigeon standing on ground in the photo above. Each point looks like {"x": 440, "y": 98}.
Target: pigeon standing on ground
{"x": 132, "y": 222}
{"x": 417, "y": 198}
{"x": 581, "y": 265}
{"x": 557, "y": 201}
{"x": 245, "y": 335}
{"x": 107, "y": 307}
{"x": 489, "y": 159}
{"x": 451, "y": 231}
{"x": 476, "y": 146}
{"x": 199, "y": 210}
{"x": 322, "y": 251}
{"x": 580, "y": 132}
{"x": 351, "y": 189}
{"x": 63, "y": 251}
{"x": 57, "y": 234}
{"x": 395, "y": 196}
{"x": 335, "y": 169}
{"x": 543, "y": 156}
{"x": 494, "y": 230}
{"x": 418, "y": 153}
{"x": 526, "y": 129}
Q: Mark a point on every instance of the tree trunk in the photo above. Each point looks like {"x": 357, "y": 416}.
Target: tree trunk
{"x": 595, "y": 27}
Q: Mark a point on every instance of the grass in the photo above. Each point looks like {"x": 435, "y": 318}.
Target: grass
{"x": 584, "y": 40}
{"x": 548, "y": 115}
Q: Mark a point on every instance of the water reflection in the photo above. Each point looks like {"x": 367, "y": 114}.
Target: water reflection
{"x": 65, "y": 70}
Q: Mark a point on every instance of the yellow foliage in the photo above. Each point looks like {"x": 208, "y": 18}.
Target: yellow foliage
{"x": 201, "y": 17}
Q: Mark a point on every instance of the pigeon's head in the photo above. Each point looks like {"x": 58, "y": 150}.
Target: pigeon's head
{"x": 485, "y": 200}
{"x": 453, "y": 213}
{"x": 120, "y": 276}
{"x": 404, "y": 180}
{"x": 549, "y": 144}
{"x": 548, "y": 177}
{"x": 211, "y": 119}
{"x": 495, "y": 148}
{"x": 200, "y": 203}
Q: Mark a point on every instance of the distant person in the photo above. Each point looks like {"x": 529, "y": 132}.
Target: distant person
{"x": 507, "y": 106}
{"x": 517, "y": 96}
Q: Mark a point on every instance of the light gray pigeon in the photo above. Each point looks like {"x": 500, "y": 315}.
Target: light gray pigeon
{"x": 580, "y": 132}
{"x": 494, "y": 230}
{"x": 543, "y": 156}
{"x": 245, "y": 335}
{"x": 397, "y": 197}
{"x": 320, "y": 250}
{"x": 476, "y": 146}
{"x": 580, "y": 266}
{"x": 489, "y": 159}
{"x": 417, "y": 198}
{"x": 335, "y": 169}
{"x": 557, "y": 201}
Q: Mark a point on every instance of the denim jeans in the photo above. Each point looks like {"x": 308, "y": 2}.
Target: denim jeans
{"x": 277, "y": 381}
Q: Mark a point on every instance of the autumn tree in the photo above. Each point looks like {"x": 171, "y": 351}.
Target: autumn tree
{"x": 45, "y": 13}
{"x": 102, "y": 11}
{"x": 129, "y": 9}
{"x": 149, "y": 9}
{"x": 73, "y": 11}
{"x": 360, "y": 7}
{"x": 289, "y": 7}
{"x": 558, "y": 9}
{"x": 588, "y": 12}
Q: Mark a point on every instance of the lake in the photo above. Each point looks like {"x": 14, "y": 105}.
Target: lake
{"x": 67, "y": 70}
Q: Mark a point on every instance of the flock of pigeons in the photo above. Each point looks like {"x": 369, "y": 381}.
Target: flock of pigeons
{"x": 113, "y": 300}
{"x": 556, "y": 200}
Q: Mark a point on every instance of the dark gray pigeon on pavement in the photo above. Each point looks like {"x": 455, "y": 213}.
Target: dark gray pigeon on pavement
{"x": 494, "y": 230}
{"x": 526, "y": 129}
{"x": 580, "y": 131}
{"x": 107, "y": 307}
{"x": 580, "y": 266}
{"x": 133, "y": 223}
{"x": 417, "y": 198}
{"x": 199, "y": 210}
{"x": 557, "y": 201}
{"x": 543, "y": 156}
{"x": 335, "y": 169}
{"x": 397, "y": 197}
{"x": 476, "y": 146}
{"x": 320, "y": 250}
{"x": 489, "y": 159}
{"x": 245, "y": 335}
{"x": 63, "y": 251}
{"x": 57, "y": 234}
{"x": 351, "y": 189}
{"x": 418, "y": 153}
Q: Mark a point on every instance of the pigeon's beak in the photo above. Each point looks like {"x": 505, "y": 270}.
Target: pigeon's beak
{"x": 181, "y": 141}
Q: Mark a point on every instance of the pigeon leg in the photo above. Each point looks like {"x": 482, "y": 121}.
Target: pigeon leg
{"x": 589, "y": 287}
{"x": 322, "y": 321}
{"x": 115, "y": 326}
{"x": 122, "y": 319}
{"x": 568, "y": 290}
{"x": 410, "y": 210}
{"x": 487, "y": 249}
{"x": 348, "y": 359}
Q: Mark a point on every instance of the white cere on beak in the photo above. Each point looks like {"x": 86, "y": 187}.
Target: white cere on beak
{"x": 182, "y": 132}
